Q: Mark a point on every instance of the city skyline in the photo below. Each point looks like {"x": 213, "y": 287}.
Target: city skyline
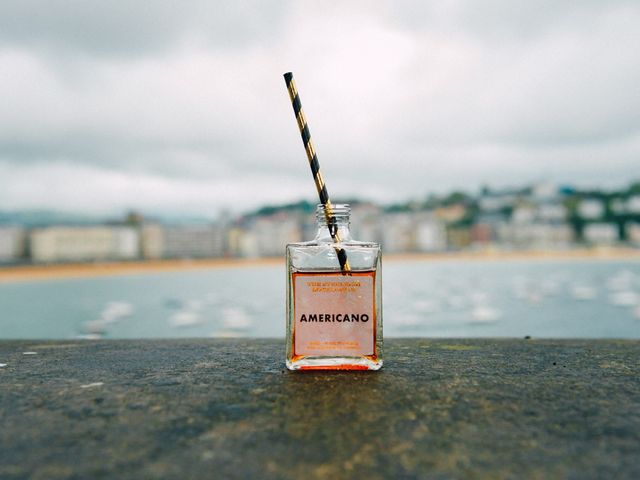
{"x": 427, "y": 201}
{"x": 118, "y": 106}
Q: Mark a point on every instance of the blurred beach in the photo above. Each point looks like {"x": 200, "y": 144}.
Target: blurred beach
{"x": 16, "y": 273}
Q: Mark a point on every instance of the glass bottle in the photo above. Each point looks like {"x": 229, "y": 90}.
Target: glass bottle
{"x": 334, "y": 315}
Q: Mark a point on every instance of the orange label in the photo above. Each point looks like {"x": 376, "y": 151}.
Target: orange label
{"x": 334, "y": 314}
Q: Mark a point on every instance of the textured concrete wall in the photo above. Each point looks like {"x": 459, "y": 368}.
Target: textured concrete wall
{"x": 228, "y": 409}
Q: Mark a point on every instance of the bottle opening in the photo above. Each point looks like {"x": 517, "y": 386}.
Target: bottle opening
{"x": 339, "y": 212}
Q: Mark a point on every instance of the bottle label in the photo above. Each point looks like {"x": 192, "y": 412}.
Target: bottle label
{"x": 334, "y": 314}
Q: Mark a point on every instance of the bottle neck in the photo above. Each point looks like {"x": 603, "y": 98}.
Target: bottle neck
{"x": 335, "y": 225}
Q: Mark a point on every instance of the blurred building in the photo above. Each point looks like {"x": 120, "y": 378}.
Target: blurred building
{"x": 126, "y": 243}
{"x": 450, "y": 213}
{"x": 398, "y": 232}
{"x": 545, "y": 191}
{"x": 633, "y": 233}
{"x": 633, "y": 205}
{"x": 78, "y": 244}
{"x": 430, "y": 234}
{"x": 151, "y": 241}
{"x": 413, "y": 232}
{"x": 535, "y": 235}
{"x": 537, "y": 222}
{"x": 551, "y": 213}
{"x": 493, "y": 201}
{"x": 191, "y": 241}
{"x": 235, "y": 236}
{"x": 366, "y": 222}
{"x": 458, "y": 238}
{"x": 268, "y": 236}
{"x": 600, "y": 233}
{"x": 591, "y": 209}
{"x": 12, "y": 244}
{"x": 487, "y": 226}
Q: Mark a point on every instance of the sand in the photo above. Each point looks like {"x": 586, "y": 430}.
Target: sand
{"x": 80, "y": 270}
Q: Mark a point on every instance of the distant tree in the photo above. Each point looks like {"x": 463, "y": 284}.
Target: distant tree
{"x": 432, "y": 201}
{"x": 634, "y": 189}
{"x": 397, "y": 207}
{"x": 134, "y": 218}
{"x": 455, "y": 198}
{"x": 303, "y": 206}
{"x": 576, "y": 222}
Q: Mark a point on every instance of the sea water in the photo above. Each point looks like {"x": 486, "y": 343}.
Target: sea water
{"x": 444, "y": 298}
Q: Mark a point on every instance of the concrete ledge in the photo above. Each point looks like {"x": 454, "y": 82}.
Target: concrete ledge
{"x": 228, "y": 409}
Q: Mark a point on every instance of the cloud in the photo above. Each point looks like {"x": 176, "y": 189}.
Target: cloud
{"x": 106, "y": 191}
{"x": 403, "y": 98}
{"x": 134, "y": 28}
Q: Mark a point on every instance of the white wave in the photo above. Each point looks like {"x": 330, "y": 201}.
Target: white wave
{"x": 426, "y": 305}
{"x": 485, "y": 314}
{"x": 227, "y": 334}
{"x": 625, "y": 298}
{"x": 185, "y": 318}
{"x": 621, "y": 280}
{"x": 236, "y": 318}
{"x": 583, "y": 292}
{"x": 89, "y": 336}
{"x": 116, "y": 310}
{"x": 98, "y": 326}
{"x": 195, "y": 305}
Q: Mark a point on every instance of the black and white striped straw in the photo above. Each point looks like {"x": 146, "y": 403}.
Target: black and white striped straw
{"x": 315, "y": 169}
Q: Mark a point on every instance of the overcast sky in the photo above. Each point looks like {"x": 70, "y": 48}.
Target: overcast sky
{"x": 181, "y": 106}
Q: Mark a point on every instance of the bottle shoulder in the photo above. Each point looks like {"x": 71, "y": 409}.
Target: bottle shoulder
{"x": 315, "y": 255}
{"x": 333, "y": 245}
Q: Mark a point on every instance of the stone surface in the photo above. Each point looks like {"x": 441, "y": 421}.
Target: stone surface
{"x": 228, "y": 409}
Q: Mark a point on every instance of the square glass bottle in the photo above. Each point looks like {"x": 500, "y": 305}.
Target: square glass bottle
{"x": 334, "y": 315}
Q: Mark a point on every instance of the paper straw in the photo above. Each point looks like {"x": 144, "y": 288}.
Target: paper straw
{"x": 321, "y": 187}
